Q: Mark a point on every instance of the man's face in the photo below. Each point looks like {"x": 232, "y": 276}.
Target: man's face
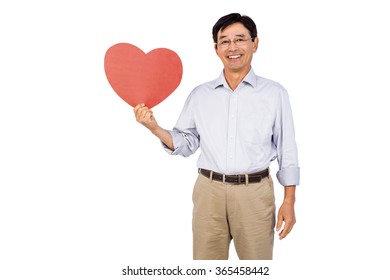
{"x": 236, "y": 58}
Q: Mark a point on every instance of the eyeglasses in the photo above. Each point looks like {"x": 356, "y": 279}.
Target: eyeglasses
{"x": 238, "y": 42}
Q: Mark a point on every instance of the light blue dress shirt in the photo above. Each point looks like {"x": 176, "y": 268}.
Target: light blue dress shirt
{"x": 239, "y": 131}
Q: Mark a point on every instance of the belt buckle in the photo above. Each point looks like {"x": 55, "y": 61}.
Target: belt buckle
{"x": 223, "y": 178}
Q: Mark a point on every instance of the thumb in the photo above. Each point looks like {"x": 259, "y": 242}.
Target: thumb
{"x": 279, "y": 222}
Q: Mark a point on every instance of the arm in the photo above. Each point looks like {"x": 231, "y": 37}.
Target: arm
{"x": 183, "y": 140}
{"x": 288, "y": 174}
{"x": 145, "y": 116}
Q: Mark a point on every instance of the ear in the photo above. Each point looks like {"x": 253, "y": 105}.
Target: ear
{"x": 216, "y": 48}
{"x": 255, "y": 44}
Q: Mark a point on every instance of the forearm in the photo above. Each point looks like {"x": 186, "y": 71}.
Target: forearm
{"x": 289, "y": 194}
{"x": 164, "y": 137}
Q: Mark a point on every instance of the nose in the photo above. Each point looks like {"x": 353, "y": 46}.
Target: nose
{"x": 232, "y": 46}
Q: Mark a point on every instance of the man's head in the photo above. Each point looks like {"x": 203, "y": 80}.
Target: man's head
{"x": 235, "y": 42}
{"x": 229, "y": 19}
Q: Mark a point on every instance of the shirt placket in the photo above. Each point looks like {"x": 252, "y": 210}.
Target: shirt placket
{"x": 232, "y": 130}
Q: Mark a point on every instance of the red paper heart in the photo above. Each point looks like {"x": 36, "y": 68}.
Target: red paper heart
{"x": 142, "y": 78}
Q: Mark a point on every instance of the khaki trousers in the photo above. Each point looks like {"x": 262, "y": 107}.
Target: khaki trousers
{"x": 244, "y": 213}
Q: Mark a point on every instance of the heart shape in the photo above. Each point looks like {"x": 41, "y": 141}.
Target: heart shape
{"x": 142, "y": 78}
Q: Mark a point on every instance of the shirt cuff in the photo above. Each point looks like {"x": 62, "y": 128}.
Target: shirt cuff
{"x": 289, "y": 176}
{"x": 178, "y": 141}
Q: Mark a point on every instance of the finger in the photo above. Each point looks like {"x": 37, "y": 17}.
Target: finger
{"x": 283, "y": 233}
{"x": 279, "y": 222}
{"x": 148, "y": 115}
{"x": 287, "y": 229}
{"x": 137, "y": 107}
{"x": 137, "y": 111}
{"x": 141, "y": 112}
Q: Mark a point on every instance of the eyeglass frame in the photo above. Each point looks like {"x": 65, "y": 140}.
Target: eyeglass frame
{"x": 234, "y": 41}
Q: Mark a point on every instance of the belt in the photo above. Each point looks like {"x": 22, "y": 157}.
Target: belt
{"x": 235, "y": 179}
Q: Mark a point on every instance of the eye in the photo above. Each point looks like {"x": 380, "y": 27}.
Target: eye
{"x": 239, "y": 40}
{"x": 225, "y": 42}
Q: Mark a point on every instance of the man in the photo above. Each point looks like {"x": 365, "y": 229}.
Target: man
{"x": 241, "y": 122}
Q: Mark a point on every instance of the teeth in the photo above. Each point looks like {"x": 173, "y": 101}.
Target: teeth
{"x": 234, "y": 56}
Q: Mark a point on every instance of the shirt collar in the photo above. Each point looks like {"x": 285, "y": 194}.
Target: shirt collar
{"x": 250, "y": 79}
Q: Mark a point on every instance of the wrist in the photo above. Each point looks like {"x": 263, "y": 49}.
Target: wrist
{"x": 289, "y": 195}
{"x": 155, "y": 130}
{"x": 289, "y": 200}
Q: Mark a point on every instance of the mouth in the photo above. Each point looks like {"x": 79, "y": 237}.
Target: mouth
{"x": 237, "y": 56}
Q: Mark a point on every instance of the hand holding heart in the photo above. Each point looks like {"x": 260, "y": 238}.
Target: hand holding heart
{"x": 142, "y": 78}
{"x": 144, "y": 116}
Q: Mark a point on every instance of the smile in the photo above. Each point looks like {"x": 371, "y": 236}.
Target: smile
{"x": 234, "y": 56}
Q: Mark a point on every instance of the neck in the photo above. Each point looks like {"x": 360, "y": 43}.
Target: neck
{"x": 234, "y": 78}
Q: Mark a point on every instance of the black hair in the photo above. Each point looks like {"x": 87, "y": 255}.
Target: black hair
{"x": 229, "y": 19}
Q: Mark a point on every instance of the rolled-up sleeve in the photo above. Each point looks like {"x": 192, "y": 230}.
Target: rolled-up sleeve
{"x": 185, "y": 143}
{"x": 284, "y": 140}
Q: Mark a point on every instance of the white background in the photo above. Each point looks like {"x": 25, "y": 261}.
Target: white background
{"x": 86, "y": 191}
